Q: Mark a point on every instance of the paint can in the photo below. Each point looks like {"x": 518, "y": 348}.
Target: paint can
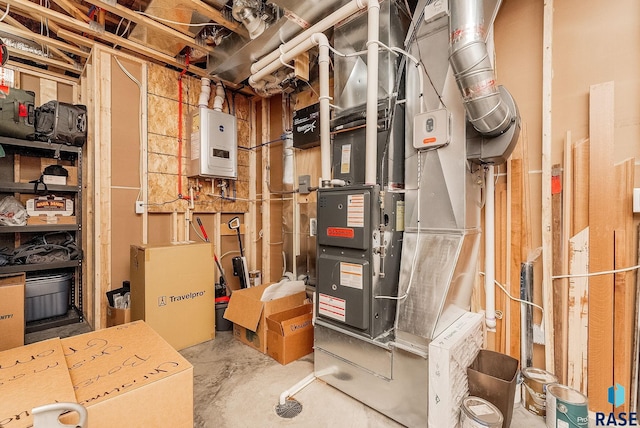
{"x": 566, "y": 407}
{"x": 477, "y": 412}
{"x": 255, "y": 278}
{"x": 535, "y": 383}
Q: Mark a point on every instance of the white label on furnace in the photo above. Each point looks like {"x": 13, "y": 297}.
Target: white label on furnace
{"x": 332, "y": 307}
{"x": 345, "y": 161}
{"x": 351, "y": 275}
{"x": 355, "y": 211}
{"x": 400, "y": 216}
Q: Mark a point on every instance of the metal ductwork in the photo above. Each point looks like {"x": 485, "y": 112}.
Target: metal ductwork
{"x": 248, "y": 12}
{"x": 490, "y": 108}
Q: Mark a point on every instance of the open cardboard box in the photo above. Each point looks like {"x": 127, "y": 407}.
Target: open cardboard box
{"x": 248, "y": 314}
{"x": 290, "y": 334}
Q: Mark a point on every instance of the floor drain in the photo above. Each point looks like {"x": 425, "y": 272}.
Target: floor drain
{"x": 290, "y": 409}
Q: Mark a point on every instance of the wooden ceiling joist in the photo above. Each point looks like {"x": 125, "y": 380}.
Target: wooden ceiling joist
{"x": 139, "y": 19}
{"x": 217, "y": 16}
{"x": 16, "y": 25}
{"x": 134, "y": 47}
{"x": 27, "y": 34}
{"x": 72, "y": 10}
{"x": 13, "y": 52}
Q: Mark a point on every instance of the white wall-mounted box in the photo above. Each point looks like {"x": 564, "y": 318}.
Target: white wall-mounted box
{"x": 213, "y": 144}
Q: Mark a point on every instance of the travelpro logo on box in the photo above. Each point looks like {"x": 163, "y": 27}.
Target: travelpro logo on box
{"x": 6, "y": 317}
{"x": 165, "y": 300}
{"x": 616, "y": 397}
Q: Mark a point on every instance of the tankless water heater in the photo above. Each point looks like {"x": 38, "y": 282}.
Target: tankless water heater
{"x": 213, "y": 144}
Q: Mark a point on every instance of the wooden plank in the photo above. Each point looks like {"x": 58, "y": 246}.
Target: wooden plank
{"x": 74, "y": 68}
{"x": 578, "y": 312}
{"x": 72, "y": 10}
{"x": 560, "y": 293}
{"x": 547, "y": 90}
{"x": 266, "y": 196}
{"x": 635, "y": 353}
{"x": 515, "y": 179}
{"x": 624, "y": 283}
{"x": 601, "y": 239}
{"x": 301, "y": 64}
{"x": 623, "y": 317}
{"x": 580, "y": 193}
{"x": 567, "y": 187}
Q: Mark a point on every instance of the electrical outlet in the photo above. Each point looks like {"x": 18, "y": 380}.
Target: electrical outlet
{"x": 139, "y": 207}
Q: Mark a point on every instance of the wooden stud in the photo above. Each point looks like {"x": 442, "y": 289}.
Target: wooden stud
{"x": 635, "y": 353}
{"x": 601, "y": 239}
{"x": 266, "y": 196}
{"x": 72, "y": 10}
{"x": 578, "y": 312}
{"x": 74, "y": 68}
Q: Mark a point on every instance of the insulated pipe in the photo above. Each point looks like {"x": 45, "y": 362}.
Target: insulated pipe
{"x": 326, "y": 23}
{"x": 487, "y": 111}
{"x": 489, "y": 250}
{"x": 205, "y": 92}
{"x": 219, "y": 99}
{"x": 371, "y": 129}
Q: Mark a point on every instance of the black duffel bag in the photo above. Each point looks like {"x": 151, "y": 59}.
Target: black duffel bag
{"x": 59, "y": 122}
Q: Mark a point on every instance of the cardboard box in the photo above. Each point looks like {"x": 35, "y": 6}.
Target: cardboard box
{"x": 116, "y": 316}
{"x": 172, "y": 289}
{"x": 248, "y": 314}
{"x": 11, "y": 310}
{"x": 32, "y": 376}
{"x": 290, "y": 334}
{"x": 129, "y": 376}
{"x": 449, "y": 356}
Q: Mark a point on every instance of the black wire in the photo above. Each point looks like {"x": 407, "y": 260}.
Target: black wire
{"x": 282, "y": 138}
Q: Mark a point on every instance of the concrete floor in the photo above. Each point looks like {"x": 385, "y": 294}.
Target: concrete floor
{"x": 236, "y": 386}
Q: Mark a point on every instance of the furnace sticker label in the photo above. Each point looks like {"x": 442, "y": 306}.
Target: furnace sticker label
{"x": 355, "y": 211}
{"x": 400, "y": 216}
{"x": 332, "y": 307}
{"x": 351, "y": 275}
{"x": 345, "y": 161}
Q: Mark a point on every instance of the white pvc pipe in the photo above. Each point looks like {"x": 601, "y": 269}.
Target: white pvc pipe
{"x": 296, "y": 388}
{"x": 489, "y": 250}
{"x": 205, "y": 92}
{"x": 325, "y": 128}
{"x": 219, "y": 99}
{"x": 326, "y": 23}
{"x": 371, "y": 129}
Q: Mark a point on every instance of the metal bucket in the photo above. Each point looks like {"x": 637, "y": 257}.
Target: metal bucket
{"x": 477, "y": 412}
{"x": 535, "y": 383}
{"x": 566, "y": 407}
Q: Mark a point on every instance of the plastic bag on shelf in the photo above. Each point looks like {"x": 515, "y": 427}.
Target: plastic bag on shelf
{"x": 12, "y": 212}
